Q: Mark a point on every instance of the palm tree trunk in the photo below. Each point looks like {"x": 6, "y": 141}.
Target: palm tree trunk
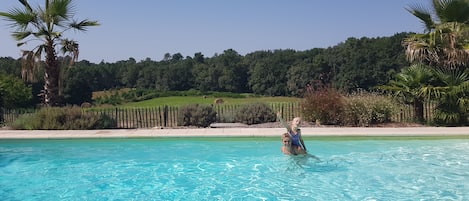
{"x": 51, "y": 76}
{"x": 418, "y": 110}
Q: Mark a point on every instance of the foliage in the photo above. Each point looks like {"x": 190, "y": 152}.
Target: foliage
{"x": 314, "y": 66}
{"x": 77, "y": 89}
{"x": 65, "y": 118}
{"x": 10, "y": 66}
{"x": 363, "y": 63}
{"x": 355, "y": 63}
{"x": 255, "y": 113}
{"x": 448, "y": 87}
{"x": 13, "y": 92}
{"x": 46, "y": 24}
{"x": 445, "y": 41}
{"x": 224, "y": 72}
{"x": 445, "y": 47}
{"x": 366, "y": 109}
{"x": 226, "y": 118}
{"x": 322, "y": 103}
{"x": 196, "y": 115}
{"x": 441, "y": 11}
{"x": 268, "y": 71}
{"x": 409, "y": 87}
{"x": 451, "y": 91}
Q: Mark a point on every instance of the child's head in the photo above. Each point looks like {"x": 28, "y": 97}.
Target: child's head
{"x": 296, "y": 122}
{"x": 286, "y": 139}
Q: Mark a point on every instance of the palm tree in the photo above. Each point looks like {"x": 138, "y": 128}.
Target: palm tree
{"x": 409, "y": 85}
{"x": 452, "y": 92}
{"x": 445, "y": 47}
{"x": 445, "y": 42}
{"x": 47, "y": 25}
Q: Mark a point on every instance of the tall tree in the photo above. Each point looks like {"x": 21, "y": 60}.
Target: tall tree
{"x": 47, "y": 25}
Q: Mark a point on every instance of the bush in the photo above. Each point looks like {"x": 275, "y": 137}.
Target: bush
{"x": 66, "y": 118}
{"x": 255, "y": 113}
{"x": 226, "y": 118}
{"x": 367, "y": 109}
{"x": 323, "y": 104}
{"x": 197, "y": 115}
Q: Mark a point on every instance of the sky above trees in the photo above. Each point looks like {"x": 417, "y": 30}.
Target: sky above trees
{"x": 150, "y": 28}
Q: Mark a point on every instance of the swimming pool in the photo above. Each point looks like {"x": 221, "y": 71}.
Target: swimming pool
{"x": 233, "y": 169}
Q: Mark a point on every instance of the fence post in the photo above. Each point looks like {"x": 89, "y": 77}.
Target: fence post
{"x": 165, "y": 115}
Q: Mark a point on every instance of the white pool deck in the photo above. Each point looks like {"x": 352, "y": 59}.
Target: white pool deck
{"x": 236, "y": 132}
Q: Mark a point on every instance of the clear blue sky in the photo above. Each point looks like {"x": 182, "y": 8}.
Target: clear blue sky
{"x": 150, "y": 28}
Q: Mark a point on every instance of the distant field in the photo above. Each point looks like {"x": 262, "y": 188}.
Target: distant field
{"x": 184, "y": 100}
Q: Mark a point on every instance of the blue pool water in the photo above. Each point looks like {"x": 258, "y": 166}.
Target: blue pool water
{"x": 233, "y": 169}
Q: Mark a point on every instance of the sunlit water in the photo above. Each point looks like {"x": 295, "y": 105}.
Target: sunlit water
{"x": 233, "y": 169}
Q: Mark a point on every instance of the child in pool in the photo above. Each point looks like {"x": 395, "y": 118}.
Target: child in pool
{"x": 286, "y": 145}
{"x": 294, "y": 132}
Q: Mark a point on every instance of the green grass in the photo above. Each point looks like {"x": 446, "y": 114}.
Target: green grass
{"x": 185, "y": 100}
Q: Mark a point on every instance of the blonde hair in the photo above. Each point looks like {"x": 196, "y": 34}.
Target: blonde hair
{"x": 297, "y": 118}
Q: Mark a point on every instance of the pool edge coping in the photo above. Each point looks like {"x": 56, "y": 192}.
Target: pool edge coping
{"x": 239, "y": 132}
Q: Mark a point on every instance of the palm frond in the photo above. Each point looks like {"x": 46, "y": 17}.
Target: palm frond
{"x": 423, "y": 14}
{"x": 452, "y": 10}
{"x": 29, "y": 65}
{"x": 432, "y": 92}
{"x": 60, "y": 10}
{"x": 21, "y": 35}
{"x": 83, "y": 25}
{"x": 464, "y": 104}
{"x": 19, "y": 18}
{"x": 26, "y": 5}
{"x": 70, "y": 47}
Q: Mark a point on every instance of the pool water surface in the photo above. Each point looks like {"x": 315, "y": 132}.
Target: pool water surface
{"x": 233, "y": 169}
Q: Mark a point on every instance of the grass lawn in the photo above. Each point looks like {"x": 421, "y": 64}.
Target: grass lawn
{"x": 185, "y": 100}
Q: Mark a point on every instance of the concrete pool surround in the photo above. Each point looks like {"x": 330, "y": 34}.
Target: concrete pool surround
{"x": 239, "y": 132}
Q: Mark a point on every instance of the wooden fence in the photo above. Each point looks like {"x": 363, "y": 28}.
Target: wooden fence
{"x": 167, "y": 116}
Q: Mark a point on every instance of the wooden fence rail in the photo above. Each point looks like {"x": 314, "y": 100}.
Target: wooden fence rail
{"x": 167, "y": 116}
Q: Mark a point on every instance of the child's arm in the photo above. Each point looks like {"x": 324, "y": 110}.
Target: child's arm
{"x": 284, "y": 123}
{"x": 302, "y": 143}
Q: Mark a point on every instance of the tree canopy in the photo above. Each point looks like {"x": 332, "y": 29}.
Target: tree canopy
{"x": 353, "y": 64}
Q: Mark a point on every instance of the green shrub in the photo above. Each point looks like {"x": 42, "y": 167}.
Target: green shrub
{"x": 367, "y": 109}
{"x": 383, "y": 109}
{"x": 105, "y": 121}
{"x": 356, "y": 112}
{"x": 255, "y": 113}
{"x": 66, "y": 118}
{"x": 197, "y": 115}
{"x": 323, "y": 104}
{"x": 24, "y": 122}
{"x": 226, "y": 118}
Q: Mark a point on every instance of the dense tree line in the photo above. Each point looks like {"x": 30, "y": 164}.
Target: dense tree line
{"x": 362, "y": 63}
